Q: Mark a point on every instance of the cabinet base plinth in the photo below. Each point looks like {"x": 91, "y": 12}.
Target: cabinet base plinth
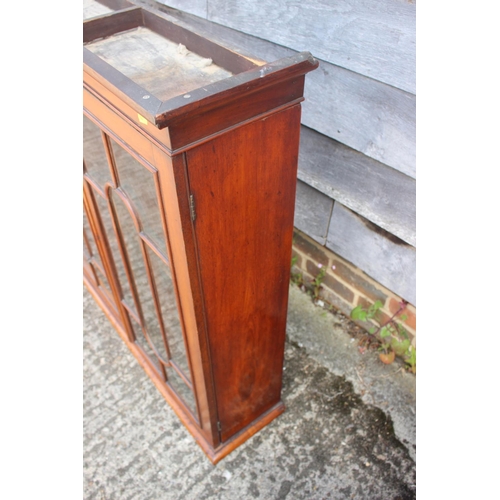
{"x": 222, "y": 451}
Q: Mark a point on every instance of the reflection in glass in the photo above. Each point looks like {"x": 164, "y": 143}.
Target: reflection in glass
{"x": 103, "y": 283}
{"x": 92, "y": 256}
{"x": 139, "y": 185}
{"x": 170, "y": 315}
{"x": 94, "y": 154}
{"x": 144, "y": 345}
{"x": 102, "y": 205}
{"x": 140, "y": 277}
{"x": 178, "y": 385}
{"x": 89, "y": 246}
{"x": 144, "y": 278}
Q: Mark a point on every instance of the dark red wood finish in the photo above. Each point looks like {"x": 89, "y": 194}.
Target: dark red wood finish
{"x": 224, "y": 165}
{"x": 243, "y": 184}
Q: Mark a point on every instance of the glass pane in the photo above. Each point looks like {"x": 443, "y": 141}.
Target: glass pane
{"x": 170, "y": 314}
{"x": 89, "y": 244}
{"x": 103, "y": 209}
{"x": 142, "y": 342}
{"x": 87, "y": 252}
{"x": 87, "y": 261}
{"x": 92, "y": 255}
{"x": 184, "y": 392}
{"x": 94, "y": 154}
{"x": 103, "y": 284}
{"x": 140, "y": 277}
{"x": 139, "y": 185}
{"x": 88, "y": 239}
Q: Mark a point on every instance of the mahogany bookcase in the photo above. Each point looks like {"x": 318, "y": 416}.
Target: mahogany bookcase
{"x": 190, "y": 164}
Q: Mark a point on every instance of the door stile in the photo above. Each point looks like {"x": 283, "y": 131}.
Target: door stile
{"x": 174, "y": 193}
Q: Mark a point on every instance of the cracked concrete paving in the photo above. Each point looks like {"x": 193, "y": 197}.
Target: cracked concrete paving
{"x": 348, "y": 431}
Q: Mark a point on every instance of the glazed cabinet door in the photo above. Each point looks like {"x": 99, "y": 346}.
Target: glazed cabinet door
{"x": 127, "y": 254}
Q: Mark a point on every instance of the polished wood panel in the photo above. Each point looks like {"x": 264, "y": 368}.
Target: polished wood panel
{"x": 186, "y": 131}
{"x": 243, "y": 185}
{"x": 220, "y": 93}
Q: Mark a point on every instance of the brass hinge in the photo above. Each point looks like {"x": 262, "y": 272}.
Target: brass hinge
{"x": 191, "y": 207}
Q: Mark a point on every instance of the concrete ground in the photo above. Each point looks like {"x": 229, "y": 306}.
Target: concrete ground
{"x": 348, "y": 431}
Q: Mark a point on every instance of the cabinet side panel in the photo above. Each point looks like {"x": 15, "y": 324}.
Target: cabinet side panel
{"x": 243, "y": 185}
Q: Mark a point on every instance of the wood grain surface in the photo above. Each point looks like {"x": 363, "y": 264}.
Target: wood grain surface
{"x": 313, "y": 210}
{"x": 386, "y": 259}
{"x": 367, "y": 115}
{"x": 163, "y": 67}
{"x": 377, "y": 192}
{"x": 375, "y": 40}
{"x": 243, "y": 184}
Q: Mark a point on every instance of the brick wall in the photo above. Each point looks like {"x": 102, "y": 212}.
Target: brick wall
{"x": 345, "y": 286}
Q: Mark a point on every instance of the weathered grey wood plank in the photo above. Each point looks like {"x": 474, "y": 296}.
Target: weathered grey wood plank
{"x": 366, "y": 115}
{"x": 377, "y": 192}
{"x": 354, "y": 179}
{"x": 195, "y": 7}
{"x": 373, "y": 39}
{"x": 91, "y": 9}
{"x": 387, "y": 260}
{"x": 312, "y": 212}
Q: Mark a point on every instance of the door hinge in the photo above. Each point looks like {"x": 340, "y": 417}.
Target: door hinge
{"x": 219, "y": 427}
{"x": 192, "y": 208}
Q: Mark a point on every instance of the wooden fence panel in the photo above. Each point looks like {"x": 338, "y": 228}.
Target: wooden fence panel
{"x": 368, "y": 116}
{"x": 371, "y": 117}
{"x": 377, "y": 192}
{"x": 374, "y": 39}
{"x": 387, "y": 260}
{"x": 195, "y": 7}
{"x": 312, "y": 212}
